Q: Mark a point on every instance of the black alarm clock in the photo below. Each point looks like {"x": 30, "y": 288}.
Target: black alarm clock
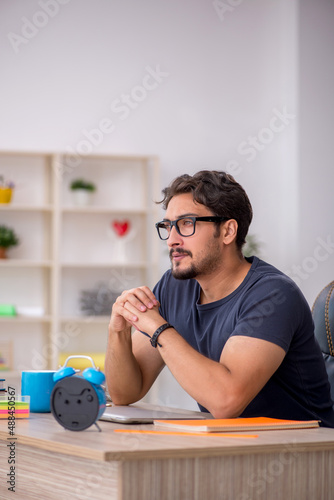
{"x": 78, "y": 401}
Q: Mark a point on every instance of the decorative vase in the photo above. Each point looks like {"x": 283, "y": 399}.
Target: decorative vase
{"x": 121, "y": 232}
{"x": 82, "y": 197}
{"x": 3, "y": 253}
{"x": 5, "y": 194}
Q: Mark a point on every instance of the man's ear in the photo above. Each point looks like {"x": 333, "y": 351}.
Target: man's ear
{"x": 230, "y": 230}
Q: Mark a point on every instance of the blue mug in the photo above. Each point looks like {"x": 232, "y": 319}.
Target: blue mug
{"x": 38, "y": 385}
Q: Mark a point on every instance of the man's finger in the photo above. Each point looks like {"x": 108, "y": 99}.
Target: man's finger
{"x": 141, "y": 298}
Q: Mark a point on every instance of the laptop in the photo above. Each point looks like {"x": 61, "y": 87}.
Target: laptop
{"x": 147, "y": 414}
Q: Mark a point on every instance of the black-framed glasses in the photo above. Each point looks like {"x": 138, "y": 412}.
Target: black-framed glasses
{"x": 185, "y": 226}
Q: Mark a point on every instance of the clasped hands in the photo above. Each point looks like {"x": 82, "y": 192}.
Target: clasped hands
{"x": 137, "y": 307}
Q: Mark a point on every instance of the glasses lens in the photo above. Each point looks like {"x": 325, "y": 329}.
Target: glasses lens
{"x": 186, "y": 227}
{"x": 163, "y": 230}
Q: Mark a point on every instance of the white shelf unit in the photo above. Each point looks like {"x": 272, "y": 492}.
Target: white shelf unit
{"x": 65, "y": 249}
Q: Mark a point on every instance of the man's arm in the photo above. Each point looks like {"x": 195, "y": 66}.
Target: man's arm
{"x": 226, "y": 387}
{"x": 131, "y": 365}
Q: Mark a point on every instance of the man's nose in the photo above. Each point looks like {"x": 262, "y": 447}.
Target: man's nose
{"x": 174, "y": 237}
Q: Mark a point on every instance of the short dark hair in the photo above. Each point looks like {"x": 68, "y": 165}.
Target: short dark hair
{"x": 219, "y": 192}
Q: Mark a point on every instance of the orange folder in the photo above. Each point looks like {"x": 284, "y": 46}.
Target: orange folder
{"x": 235, "y": 424}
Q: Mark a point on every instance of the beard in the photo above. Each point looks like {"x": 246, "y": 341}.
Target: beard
{"x": 206, "y": 263}
{"x": 185, "y": 274}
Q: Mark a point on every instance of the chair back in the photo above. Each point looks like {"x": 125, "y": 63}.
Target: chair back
{"x": 323, "y": 317}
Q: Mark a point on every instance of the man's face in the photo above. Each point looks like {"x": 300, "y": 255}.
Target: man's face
{"x": 197, "y": 255}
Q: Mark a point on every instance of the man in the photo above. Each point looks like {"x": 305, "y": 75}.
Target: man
{"x": 236, "y": 333}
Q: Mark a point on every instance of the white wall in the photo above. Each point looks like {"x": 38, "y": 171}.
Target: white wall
{"x": 225, "y": 78}
{"x": 316, "y": 226}
{"x": 225, "y": 75}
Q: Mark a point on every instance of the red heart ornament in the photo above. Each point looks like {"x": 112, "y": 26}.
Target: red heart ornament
{"x": 121, "y": 227}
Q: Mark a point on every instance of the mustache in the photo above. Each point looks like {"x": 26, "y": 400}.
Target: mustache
{"x": 180, "y": 252}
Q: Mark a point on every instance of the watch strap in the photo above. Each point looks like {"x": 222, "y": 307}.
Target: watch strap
{"x": 154, "y": 338}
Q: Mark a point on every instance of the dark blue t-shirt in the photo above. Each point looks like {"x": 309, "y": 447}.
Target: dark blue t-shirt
{"x": 267, "y": 305}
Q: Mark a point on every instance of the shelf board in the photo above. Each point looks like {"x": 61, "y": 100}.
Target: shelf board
{"x": 24, "y": 263}
{"x": 9, "y": 373}
{"x": 129, "y": 265}
{"x": 117, "y": 157}
{"x": 105, "y": 210}
{"x": 9, "y": 207}
{"x": 87, "y": 320}
{"x": 25, "y": 319}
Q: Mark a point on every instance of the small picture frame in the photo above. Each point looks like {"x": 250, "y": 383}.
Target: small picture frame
{"x": 6, "y": 356}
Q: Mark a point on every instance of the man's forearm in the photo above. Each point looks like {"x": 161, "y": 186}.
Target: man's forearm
{"x": 205, "y": 380}
{"x": 124, "y": 378}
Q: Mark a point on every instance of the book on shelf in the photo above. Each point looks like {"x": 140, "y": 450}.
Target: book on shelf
{"x": 236, "y": 424}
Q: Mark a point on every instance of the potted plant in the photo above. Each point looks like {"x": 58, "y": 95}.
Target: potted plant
{"x": 8, "y": 238}
{"x": 252, "y": 246}
{"x": 82, "y": 191}
{"x": 6, "y": 190}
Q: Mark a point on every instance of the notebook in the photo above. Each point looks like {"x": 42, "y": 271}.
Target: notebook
{"x": 141, "y": 415}
{"x": 20, "y": 409}
{"x": 236, "y": 424}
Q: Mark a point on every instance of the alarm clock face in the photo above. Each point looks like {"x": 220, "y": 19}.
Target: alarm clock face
{"x": 75, "y": 403}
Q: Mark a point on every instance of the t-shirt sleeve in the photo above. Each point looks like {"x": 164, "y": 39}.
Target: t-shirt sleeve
{"x": 271, "y": 310}
{"x": 158, "y": 289}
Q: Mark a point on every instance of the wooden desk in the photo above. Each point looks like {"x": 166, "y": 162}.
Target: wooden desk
{"x": 55, "y": 464}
